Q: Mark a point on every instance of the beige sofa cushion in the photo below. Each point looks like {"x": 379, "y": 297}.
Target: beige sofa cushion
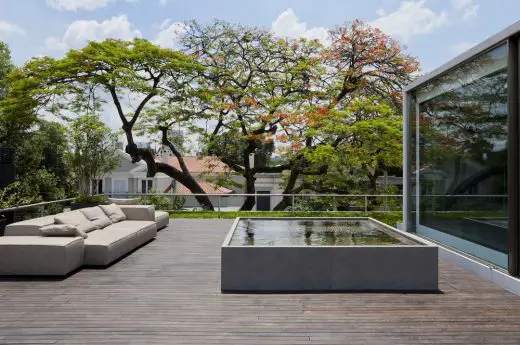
{"x": 162, "y": 219}
{"x": 113, "y": 212}
{"x": 139, "y": 212}
{"x": 62, "y": 230}
{"x": 37, "y": 255}
{"x": 97, "y": 216}
{"x": 102, "y": 247}
{"x": 77, "y": 219}
{"x": 30, "y": 227}
{"x": 133, "y": 201}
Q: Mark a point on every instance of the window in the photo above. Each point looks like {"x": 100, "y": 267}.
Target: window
{"x": 97, "y": 186}
{"x": 146, "y": 185}
{"x": 462, "y": 158}
{"x": 119, "y": 185}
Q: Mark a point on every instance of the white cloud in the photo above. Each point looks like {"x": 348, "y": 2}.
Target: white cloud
{"x": 470, "y": 12}
{"x": 460, "y": 4}
{"x": 412, "y": 18}
{"x": 7, "y": 29}
{"x": 288, "y": 25}
{"x": 168, "y": 36}
{"x": 460, "y": 48}
{"x": 75, "y": 5}
{"x": 163, "y": 2}
{"x": 467, "y": 7}
{"x": 81, "y": 31}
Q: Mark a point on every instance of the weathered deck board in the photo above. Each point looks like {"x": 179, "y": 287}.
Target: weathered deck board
{"x": 168, "y": 292}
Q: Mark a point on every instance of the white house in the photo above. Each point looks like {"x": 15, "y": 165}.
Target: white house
{"x": 129, "y": 180}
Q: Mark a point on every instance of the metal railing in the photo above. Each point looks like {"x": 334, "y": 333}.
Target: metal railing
{"x": 174, "y": 202}
{"x": 40, "y": 204}
{"x": 298, "y": 202}
{"x": 23, "y": 212}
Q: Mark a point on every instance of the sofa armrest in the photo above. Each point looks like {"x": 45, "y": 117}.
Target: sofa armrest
{"x": 139, "y": 212}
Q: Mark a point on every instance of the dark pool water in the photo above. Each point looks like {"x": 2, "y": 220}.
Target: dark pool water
{"x": 313, "y": 232}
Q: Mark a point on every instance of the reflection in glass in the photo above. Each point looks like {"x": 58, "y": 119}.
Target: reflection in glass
{"x": 463, "y": 156}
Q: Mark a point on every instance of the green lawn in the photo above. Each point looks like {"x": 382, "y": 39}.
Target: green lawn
{"x": 390, "y": 218}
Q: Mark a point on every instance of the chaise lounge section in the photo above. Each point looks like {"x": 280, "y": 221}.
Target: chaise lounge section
{"x": 40, "y": 256}
{"x": 23, "y": 251}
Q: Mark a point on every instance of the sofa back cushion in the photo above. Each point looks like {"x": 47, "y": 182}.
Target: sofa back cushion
{"x": 30, "y": 227}
{"x": 113, "y": 212}
{"x": 77, "y": 219}
{"x": 61, "y": 230}
{"x": 97, "y": 216}
{"x": 133, "y": 201}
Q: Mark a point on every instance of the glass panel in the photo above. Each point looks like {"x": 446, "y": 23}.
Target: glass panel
{"x": 143, "y": 186}
{"x": 413, "y": 166}
{"x": 100, "y": 187}
{"x": 150, "y": 185}
{"x": 463, "y": 158}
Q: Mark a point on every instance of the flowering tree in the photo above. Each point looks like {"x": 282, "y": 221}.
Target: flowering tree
{"x": 360, "y": 62}
{"x": 252, "y": 82}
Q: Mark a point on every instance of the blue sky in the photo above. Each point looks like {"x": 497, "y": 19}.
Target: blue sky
{"x": 434, "y": 30}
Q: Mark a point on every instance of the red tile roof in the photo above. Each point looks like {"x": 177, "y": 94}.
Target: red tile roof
{"x": 206, "y": 186}
{"x": 197, "y": 165}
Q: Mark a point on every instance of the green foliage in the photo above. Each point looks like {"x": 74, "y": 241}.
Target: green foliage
{"x": 6, "y": 66}
{"x": 41, "y": 172}
{"x": 93, "y": 151}
{"x": 331, "y": 112}
{"x": 358, "y": 144}
{"x": 44, "y": 148}
{"x": 162, "y": 202}
{"x": 113, "y": 66}
{"x": 253, "y": 81}
{"x": 15, "y": 194}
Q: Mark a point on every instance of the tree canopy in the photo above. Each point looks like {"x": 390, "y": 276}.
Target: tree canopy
{"x": 308, "y": 109}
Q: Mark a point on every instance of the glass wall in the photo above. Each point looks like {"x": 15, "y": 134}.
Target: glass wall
{"x": 460, "y": 187}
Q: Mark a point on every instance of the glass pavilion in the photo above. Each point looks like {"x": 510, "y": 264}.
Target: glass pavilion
{"x": 461, "y": 153}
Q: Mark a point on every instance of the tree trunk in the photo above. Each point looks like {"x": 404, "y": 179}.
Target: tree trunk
{"x": 189, "y": 182}
{"x": 249, "y": 175}
{"x": 249, "y": 201}
{"x": 289, "y": 188}
{"x": 185, "y": 179}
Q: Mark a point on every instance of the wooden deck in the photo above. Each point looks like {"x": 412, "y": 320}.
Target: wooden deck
{"x": 168, "y": 292}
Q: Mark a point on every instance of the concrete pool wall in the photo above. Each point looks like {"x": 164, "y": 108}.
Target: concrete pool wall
{"x": 329, "y": 268}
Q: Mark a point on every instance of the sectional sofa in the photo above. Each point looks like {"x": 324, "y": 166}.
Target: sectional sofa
{"x": 26, "y": 249}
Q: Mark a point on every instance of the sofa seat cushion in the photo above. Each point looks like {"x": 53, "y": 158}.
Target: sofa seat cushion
{"x": 102, "y": 247}
{"x": 134, "y": 225}
{"x": 113, "y": 212}
{"x": 30, "y": 227}
{"x": 96, "y": 216}
{"x": 39, "y": 256}
{"x": 77, "y": 219}
{"x": 162, "y": 218}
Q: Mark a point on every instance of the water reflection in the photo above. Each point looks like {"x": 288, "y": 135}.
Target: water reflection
{"x": 463, "y": 150}
{"x": 265, "y": 232}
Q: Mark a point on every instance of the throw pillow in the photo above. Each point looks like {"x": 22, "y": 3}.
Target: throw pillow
{"x": 61, "y": 230}
{"x": 77, "y": 219}
{"x": 113, "y": 212}
{"x": 96, "y": 216}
